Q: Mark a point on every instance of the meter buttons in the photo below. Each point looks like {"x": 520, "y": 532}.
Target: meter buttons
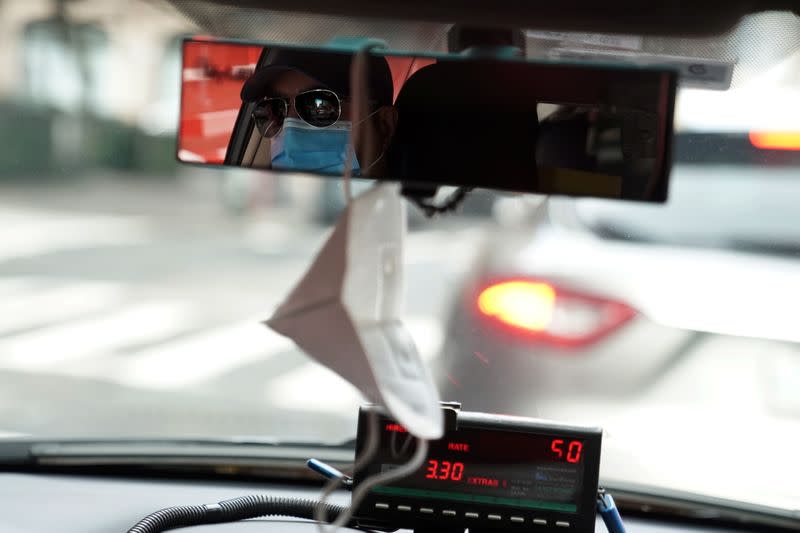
{"x": 451, "y": 513}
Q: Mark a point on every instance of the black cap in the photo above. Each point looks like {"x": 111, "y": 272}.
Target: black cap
{"x": 331, "y": 69}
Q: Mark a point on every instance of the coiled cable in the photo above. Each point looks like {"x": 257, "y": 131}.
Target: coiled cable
{"x": 233, "y": 510}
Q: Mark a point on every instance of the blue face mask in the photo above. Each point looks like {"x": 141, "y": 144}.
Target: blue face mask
{"x": 299, "y": 146}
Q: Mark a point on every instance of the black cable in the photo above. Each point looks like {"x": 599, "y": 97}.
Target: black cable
{"x": 232, "y": 511}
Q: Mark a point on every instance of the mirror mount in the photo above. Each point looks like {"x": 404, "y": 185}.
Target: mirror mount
{"x": 473, "y": 41}
{"x": 467, "y": 40}
{"x": 487, "y": 42}
{"x": 422, "y": 197}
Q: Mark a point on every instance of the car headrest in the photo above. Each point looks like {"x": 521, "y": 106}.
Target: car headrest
{"x": 457, "y": 124}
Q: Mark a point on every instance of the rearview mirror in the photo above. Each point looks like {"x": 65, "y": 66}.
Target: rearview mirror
{"x": 466, "y": 120}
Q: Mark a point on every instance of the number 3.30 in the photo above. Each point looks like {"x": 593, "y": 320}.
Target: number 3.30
{"x": 444, "y": 470}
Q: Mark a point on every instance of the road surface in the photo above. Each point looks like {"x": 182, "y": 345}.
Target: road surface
{"x": 133, "y": 308}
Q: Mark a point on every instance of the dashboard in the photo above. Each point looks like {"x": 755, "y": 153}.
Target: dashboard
{"x": 42, "y": 503}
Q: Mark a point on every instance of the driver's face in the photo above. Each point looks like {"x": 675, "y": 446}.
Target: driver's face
{"x": 380, "y": 125}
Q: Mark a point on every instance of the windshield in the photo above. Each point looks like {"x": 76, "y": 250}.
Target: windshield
{"x": 133, "y": 290}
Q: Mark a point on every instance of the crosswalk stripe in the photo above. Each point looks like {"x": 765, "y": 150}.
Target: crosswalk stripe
{"x": 35, "y": 304}
{"x": 201, "y": 357}
{"x": 48, "y": 231}
{"x": 313, "y": 386}
{"x": 59, "y": 345}
{"x": 193, "y": 360}
{"x": 12, "y": 286}
{"x": 90, "y": 347}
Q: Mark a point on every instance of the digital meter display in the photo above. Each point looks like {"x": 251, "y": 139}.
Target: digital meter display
{"x": 489, "y": 472}
{"x": 498, "y": 467}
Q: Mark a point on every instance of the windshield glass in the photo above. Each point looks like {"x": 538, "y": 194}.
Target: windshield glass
{"x": 133, "y": 290}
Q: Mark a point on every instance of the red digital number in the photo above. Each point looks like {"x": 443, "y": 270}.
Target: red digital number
{"x": 574, "y": 451}
{"x": 556, "y": 447}
{"x": 433, "y": 465}
{"x": 444, "y": 471}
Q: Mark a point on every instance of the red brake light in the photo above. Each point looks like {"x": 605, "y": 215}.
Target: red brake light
{"x": 538, "y": 310}
{"x": 781, "y": 140}
{"x": 523, "y": 304}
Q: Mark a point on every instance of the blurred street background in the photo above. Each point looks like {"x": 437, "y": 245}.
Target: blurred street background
{"x": 131, "y": 288}
{"x": 151, "y": 295}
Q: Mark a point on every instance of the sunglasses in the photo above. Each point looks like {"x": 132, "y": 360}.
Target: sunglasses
{"x": 319, "y": 108}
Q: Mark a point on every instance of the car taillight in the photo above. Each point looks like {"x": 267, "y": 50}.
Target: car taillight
{"x": 781, "y": 140}
{"x": 541, "y": 311}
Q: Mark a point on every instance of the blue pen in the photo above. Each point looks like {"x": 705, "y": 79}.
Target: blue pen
{"x": 329, "y": 472}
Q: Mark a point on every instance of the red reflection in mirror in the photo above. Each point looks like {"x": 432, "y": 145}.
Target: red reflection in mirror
{"x": 212, "y": 76}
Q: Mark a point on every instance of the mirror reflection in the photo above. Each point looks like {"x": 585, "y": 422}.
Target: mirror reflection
{"x": 455, "y": 120}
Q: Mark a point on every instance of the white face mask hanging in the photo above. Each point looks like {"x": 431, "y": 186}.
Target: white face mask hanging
{"x": 346, "y": 312}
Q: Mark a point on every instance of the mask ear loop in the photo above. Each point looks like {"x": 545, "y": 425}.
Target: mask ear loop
{"x": 360, "y": 95}
{"x": 361, "y": 491}
{"x": 381, "y": 478}
{"x": 359, "y": 90}
{"x": 360, "y": 98}
{"x": 369, "y": 451}
{"x": 261, "y": 138}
